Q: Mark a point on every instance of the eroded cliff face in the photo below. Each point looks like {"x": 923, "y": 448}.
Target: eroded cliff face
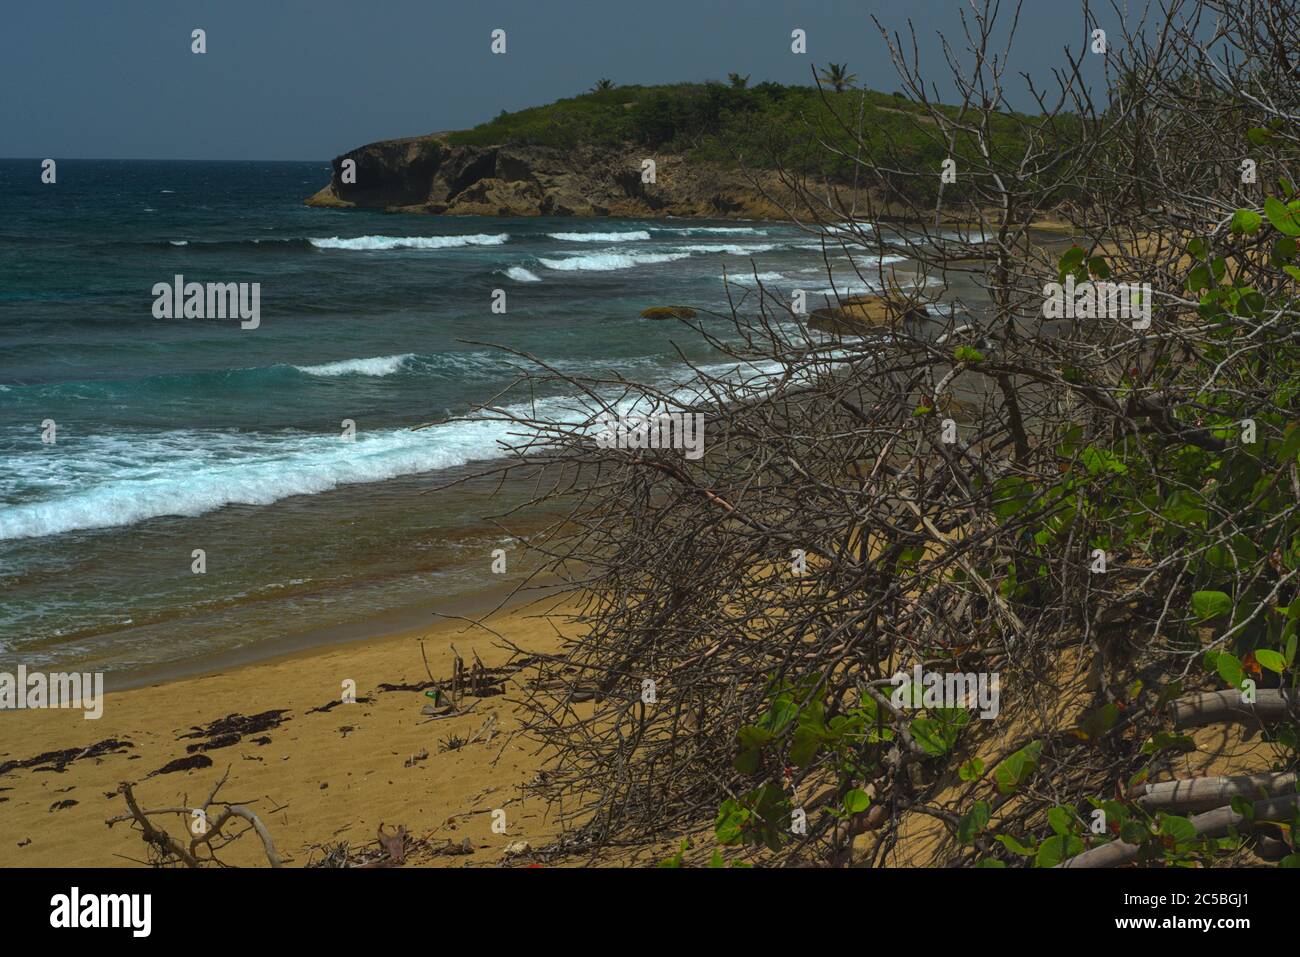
{"x": 428, "y": 175}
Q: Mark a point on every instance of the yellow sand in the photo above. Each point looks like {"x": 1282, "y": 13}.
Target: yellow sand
{"x": 316, "y": 782}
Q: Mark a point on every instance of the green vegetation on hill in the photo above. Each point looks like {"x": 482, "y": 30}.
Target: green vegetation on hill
{"x": 763, "y": 126}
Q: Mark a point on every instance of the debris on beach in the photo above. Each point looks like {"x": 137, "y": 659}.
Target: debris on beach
{"x": 183, "y": 764}
{"x": 331, "y": 705}
{"x": 390, "y": 849}
{"x": 57, "y": 761}
{"x": 231, "y": 729}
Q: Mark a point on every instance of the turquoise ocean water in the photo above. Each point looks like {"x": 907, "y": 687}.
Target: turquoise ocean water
{"x": 180, "y": 434}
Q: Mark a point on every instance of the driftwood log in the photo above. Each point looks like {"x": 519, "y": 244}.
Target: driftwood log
{"x": 1215, "y": 707}
{"x": 1204, "y": 794}
{"x": 1216, "y": 823}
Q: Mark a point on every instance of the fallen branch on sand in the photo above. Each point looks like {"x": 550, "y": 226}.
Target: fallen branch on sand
{"x": 1214, "y": 707}
{"x": 1205, "y": 794}
{"x": 1216, "y": 823}
{"x": 206, "y": 824}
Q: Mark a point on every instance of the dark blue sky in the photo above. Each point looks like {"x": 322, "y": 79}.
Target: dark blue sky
{"x": 308, "y": 79}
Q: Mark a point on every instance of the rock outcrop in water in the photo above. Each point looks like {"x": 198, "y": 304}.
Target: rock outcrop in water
{"x": 429, "y": 175}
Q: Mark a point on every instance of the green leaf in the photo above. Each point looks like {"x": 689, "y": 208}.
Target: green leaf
{"x": 973, "y": 822}
{"x": 1259, "y": 136}
{"x": 1210, "y": 604}
{"x": 748, "y": 761}
{"x": 968, "y": 354}
{"x": 1281, "y": 216}
{"x": 971, "y": 770}
{"x": 1061, "y": 819}
{"x": 804, "y": 746}
{"x": 1245, "y": 221}
{"x": 1286, "y": 452}
{"x": 1011, "y": 494}
{"x": 782, "y": 713}
{"x": 1014, "y": 846}
{"x": 1058, "y": 848}
{"x": 1198, "y": 279}
{"x": 1100, "y": 461}
{"x": 1179, "y": 828}
{"x": 1272, "y": 660}
{"x": 1094, "y": 725}
{"x": 1229, "y": 669}
{"x": 857, "y": 801}
{"x": 676, "y": 859}
{"x": 752, "y": 736}
{"x": 732, "y": 817}
{"x": 1016, "y": 768}
{"x": 933, "y": 736}
{"x": 1070, "y": 262}
{"x": 1131, "y": 832}
{"x": 1165, "y": 741}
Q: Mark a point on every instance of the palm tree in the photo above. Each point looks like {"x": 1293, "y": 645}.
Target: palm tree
{"x": 737, "y": 81}
{"x": 602, "y": 85}
{"x": 838, "y": 76}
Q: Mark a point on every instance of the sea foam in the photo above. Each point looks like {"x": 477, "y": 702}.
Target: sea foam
{"x": 520, "y": 274}
{"x": 625, "y": 237}
{"x": 377, "y": 366}
{"x": 604, "y": 262}
{"x": 126, "y": 478}
{"x": 367, "y": 243}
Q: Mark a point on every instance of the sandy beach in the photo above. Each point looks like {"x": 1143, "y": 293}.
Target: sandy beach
{"x": 317, "y": 772}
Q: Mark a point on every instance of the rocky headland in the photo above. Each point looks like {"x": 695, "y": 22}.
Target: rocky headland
{"x": 428, "y": 174}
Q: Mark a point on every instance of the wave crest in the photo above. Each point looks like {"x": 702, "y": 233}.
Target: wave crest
{"x": 367, "y": 243}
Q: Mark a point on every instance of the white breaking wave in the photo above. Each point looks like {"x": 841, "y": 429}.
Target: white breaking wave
{"x": 112, "y": 480}
{"x": 848, "y": 227}
{"x": 117, "y": 479}
{"x": 730, "y": 249}
{"x": 694, "y": 230}
{"x": 520, "y": 274}
{"x": 378, "y": 366}
{"x": 600, "y": 237}
{"x": 751, "y": 279}
{"x": 410, "y": 242}
{"x": 179, "y": 242}
{"x": 604, "y": 262}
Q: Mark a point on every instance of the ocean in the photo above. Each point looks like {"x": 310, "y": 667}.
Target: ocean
{"x": 173, "y": 435}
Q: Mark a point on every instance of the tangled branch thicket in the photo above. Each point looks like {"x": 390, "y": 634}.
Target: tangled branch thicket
{"x": 1167, "y": 454}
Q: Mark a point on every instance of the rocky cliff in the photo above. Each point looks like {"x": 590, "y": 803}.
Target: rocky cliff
{"x": 430, "y": 175}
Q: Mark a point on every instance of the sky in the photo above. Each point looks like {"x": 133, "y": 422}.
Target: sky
{"x": 310, "y": 79}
